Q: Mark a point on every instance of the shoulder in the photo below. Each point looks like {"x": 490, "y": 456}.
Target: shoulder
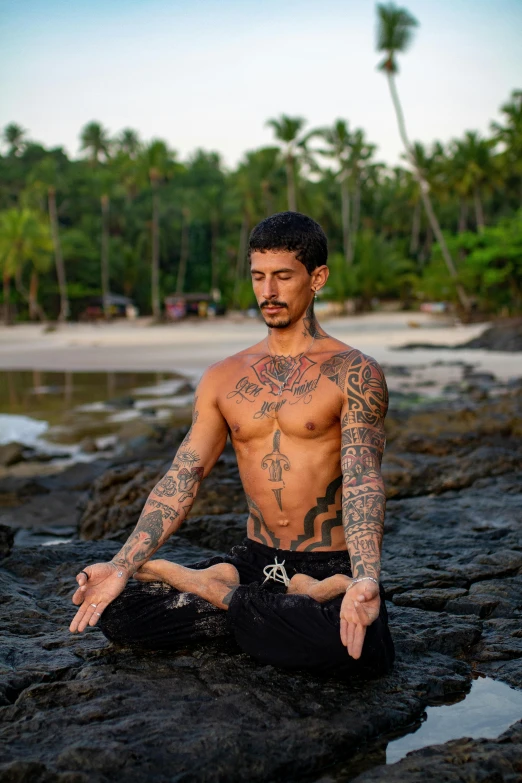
{"x": 231, "y": 367}
{"x": 360, "y": 378}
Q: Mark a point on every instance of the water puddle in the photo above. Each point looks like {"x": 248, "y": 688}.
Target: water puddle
{"x": 486, "y": 711}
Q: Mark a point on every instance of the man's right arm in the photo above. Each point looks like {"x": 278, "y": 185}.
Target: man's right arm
{"x": 165, "y": 509}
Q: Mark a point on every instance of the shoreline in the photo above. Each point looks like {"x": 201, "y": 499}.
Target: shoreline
{"x": 190, "y": 347}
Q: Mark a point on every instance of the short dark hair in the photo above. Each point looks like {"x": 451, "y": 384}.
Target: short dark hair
{"x": 293, "y": 232}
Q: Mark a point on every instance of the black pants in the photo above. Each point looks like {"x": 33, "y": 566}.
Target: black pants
{"x": 291, "y": 631}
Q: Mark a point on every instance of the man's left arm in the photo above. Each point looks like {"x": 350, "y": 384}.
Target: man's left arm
{"x": 365, "y": 403}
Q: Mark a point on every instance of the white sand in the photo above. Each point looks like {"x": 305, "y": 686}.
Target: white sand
{"x": 190, "y": 347}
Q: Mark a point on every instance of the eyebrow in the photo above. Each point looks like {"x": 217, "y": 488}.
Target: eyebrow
{"x": 276, "y": 272}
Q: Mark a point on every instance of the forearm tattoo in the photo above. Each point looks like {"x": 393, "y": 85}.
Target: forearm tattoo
{"x": 362, "y": 446}
{"x": 164, "y": 511}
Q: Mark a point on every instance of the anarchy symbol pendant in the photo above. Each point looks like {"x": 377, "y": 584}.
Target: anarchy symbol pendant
{"x": 280, "y": 392}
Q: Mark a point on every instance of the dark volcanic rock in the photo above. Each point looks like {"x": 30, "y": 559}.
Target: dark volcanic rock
{"x": 499, "y": 337}
{"x": 11, "y": 453}
{"x": 78, "y": 707}
{"x": 6, "y": 540}
{"x": 460, "y": 761}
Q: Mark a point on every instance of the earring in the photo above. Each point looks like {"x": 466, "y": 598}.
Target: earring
{"x": 316, "y": 296}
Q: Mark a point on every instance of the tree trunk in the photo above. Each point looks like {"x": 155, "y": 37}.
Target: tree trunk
{"x": 290, "y": 181}
{"x": 7, "y": 299}
{"x": 241, "y": 253}
{"x": 479, "y": 211}
{"x": 154, "y": 282}
{"x": 424, "y": 190}
{"x": 345, "y": 218}
{"x": 356, "y": 212}
{"x": 415, "y": 228}
{"x": 463, "y": 216}
{"x": 58, "y": 257}
{"x": 33, "y": 296}
{"x": 105, "y": 206}
{"x": 35, "y": 309}
{"x": 214, "y": 228}
{"x": 184, "y": 251}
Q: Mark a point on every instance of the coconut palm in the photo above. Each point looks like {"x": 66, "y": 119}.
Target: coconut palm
{"x": 13, "y": 135}
{"x": 44, "y": 179}
{"x": 156, "y": 162}
{"x": 129, "y": 142}
{"x": 509, "y": 135}
{"x": 394, "y": 35}
{"x": 287, "y": 130}
{"x": 339, "y": 146}
{"x": 25, "y": 238}
{"x": 475, "y": 171}
{"x": 95, "y": 141}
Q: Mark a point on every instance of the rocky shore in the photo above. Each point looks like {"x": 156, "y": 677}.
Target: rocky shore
{"x": 75, "y": 709}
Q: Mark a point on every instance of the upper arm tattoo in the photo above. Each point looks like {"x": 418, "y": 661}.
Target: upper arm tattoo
{"x": 362, "y": 445}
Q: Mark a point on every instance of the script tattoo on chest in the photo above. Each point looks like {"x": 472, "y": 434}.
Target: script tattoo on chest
{"x": 245, "y": 390}
{"x": 276, "y": 463}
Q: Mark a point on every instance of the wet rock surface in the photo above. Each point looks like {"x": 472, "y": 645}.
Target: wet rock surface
{"x": 75, "y": 708}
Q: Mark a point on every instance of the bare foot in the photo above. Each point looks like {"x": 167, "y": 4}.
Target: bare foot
{"x": 215, "y": 584}
{"x": 319, "y": 590}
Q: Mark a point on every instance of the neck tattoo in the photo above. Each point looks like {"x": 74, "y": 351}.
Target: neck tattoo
{"x": 281, "y": 378}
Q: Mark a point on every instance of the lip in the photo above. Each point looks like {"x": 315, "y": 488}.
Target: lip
{"x": 272, "y": 309}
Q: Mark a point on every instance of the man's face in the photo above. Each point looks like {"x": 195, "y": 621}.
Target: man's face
{"x": 282, "y": 286}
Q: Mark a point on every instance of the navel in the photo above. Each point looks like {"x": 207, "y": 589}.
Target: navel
{"x": 283, "y": 522}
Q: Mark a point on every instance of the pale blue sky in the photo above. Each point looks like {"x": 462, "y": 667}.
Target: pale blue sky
{"x": 209, "y": 73}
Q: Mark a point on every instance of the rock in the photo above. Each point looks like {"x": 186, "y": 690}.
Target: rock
{"x": 432, "y": 600}
{"x": 459, "y": 761}
{"x": 11, "y": 453}
{"x": 121, "y": 403}
{"x": 75, "y": 705}
{"x": 88, "y": 445}
{"x": 6, "y": 540}
{"x": 499, "y": 337}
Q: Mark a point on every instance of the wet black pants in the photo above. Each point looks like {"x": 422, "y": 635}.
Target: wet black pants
{"x": 290, "y": 631}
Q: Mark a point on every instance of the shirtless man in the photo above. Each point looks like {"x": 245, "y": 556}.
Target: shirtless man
{"x": 305, "y": 415}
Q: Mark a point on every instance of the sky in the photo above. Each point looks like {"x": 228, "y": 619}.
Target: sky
{"x": 209, "y": 73}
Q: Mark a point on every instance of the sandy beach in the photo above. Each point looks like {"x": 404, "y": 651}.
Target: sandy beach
{"x": 192, "y": 346}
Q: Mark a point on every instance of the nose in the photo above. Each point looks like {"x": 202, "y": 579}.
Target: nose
{"x": 269, "y": 289}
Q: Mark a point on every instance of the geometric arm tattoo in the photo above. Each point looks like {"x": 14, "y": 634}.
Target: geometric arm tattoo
{"x": 165, "y": 509}
{"x": 363, "y": 385}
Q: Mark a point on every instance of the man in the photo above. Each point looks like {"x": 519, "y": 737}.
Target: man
{"x": 305, "y": 415}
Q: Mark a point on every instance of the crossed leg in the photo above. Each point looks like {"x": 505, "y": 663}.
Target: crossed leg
{"x": 215, "y": 584}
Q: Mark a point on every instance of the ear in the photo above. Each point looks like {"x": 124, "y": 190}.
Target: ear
{"x": 319, "y": 277}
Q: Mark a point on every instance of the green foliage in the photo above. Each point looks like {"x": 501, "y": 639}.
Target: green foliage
{"x": 490, "y": 267}
{"x": 380, "y": 241}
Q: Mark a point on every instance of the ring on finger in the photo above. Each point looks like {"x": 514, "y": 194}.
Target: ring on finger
{"x": 98, "y": 613}
{"x": 95, "y": 605}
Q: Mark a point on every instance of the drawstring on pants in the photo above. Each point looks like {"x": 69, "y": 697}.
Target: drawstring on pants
{"x": 277, "y": 572}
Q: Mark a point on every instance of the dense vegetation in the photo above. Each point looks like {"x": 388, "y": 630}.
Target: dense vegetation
{"x": 130, "y": 217}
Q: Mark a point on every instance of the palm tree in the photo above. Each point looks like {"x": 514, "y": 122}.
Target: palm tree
{"x": 339, "y": 141}
{"x": 45, "y": 177}
{"x": 510, "y": 136}
{"x": 476, "y": 170}
{"x": 94, "y": 139}
{"x": 287, "y": 130}
{"x": 156, "y": 162}
{"x": 129, "y": 142}
{"x": 24, "y": 238}
{"x": 14, "y": 136}
{"x": 394, "y": 35}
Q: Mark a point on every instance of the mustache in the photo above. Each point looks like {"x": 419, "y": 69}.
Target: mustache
{"x": 272, "y": 304}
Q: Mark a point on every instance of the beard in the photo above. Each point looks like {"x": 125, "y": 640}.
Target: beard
{"x": 277, "y": 322}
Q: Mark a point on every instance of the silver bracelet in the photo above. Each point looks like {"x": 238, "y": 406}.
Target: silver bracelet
{"x": 361, "y": 579}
